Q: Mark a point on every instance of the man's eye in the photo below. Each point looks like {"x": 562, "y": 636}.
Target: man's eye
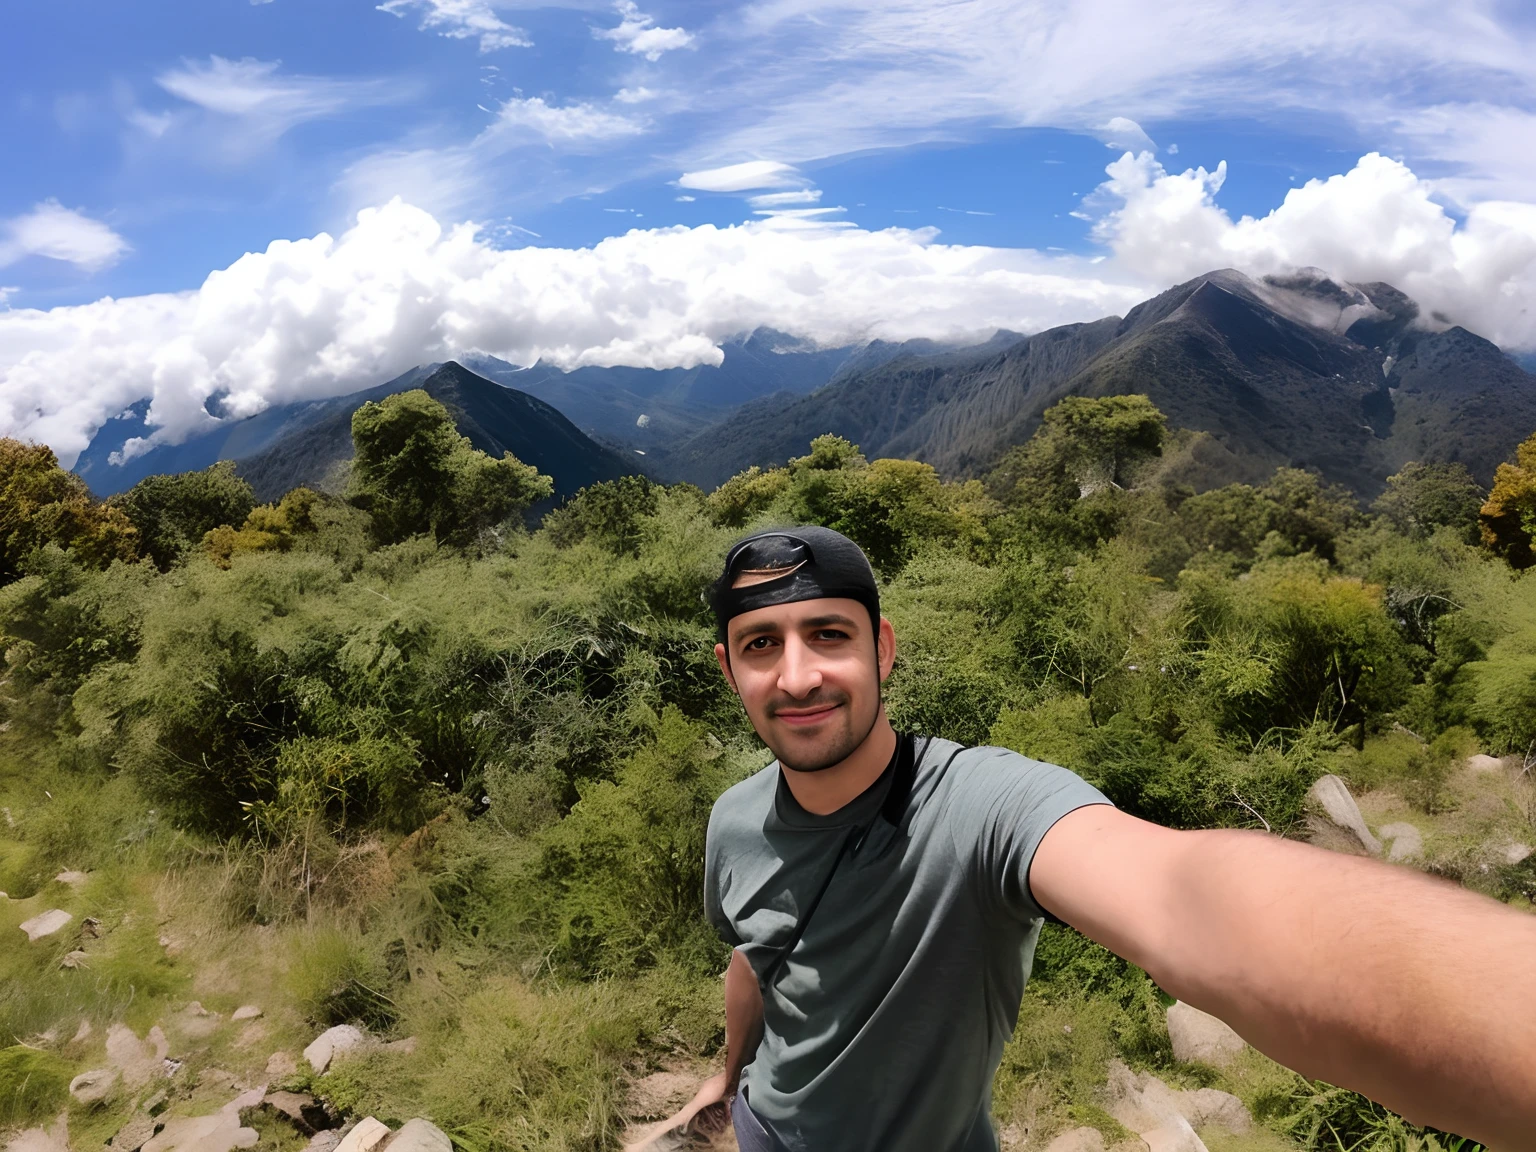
{"x": 759, "y": 644}
{"x": 831, "y": 634}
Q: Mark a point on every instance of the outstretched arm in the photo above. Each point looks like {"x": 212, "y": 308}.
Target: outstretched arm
{"x": 1410, "y": 990}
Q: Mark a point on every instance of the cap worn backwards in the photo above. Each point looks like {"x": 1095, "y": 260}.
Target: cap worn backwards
{"x": 787, "y": 565}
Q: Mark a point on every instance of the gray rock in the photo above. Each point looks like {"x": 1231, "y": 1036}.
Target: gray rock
{"x": 1332, "y": 796}
{"x": 366, "y": 1136}
{"x": 1481, "y": 763}
{"x": 221, "y": 1132}
{"x": 246, "y": 1012}
{"x": 75, "y": 959}
{"x": 1515, "y": 853}
{"x": 332, "y": 1043}
{"x": 420, "y": 1136}
{"x": 1407, "y": 842}
{"x": 1077, "y": 1140}
{"x": 135, "y": 1134}
{"x": 139, "y": 1061}
{"x": 1151, "y": 1109}
{"x": 247, "y": 1099}
{"x": 301, "y": 1110}
{"x": 54, "y": 1138}
{"x": 323, "y": 1142}
{"x": 97, "y": 1084}
{"x": 1207, "y": 1107}
{"x": 45, "y": 924}
{"x": 281, "y": 1065}
{"x": 1198, "y": 1035}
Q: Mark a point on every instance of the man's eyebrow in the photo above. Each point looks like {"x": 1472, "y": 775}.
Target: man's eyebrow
{"x": 823, "y": 621}
{"x": 761, "y": 628}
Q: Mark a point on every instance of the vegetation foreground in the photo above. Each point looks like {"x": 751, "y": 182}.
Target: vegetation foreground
{"x": 388, "y": 757}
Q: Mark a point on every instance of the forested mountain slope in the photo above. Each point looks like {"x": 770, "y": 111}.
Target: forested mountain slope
{"x": 1297, "y": 371}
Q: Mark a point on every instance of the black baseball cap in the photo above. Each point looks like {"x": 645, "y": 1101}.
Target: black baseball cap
{"x": 809, "y": 563}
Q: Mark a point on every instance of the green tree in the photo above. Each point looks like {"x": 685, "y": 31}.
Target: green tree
{"x": 1423, "y": 497}
{"x": 1083, "y": 445}
{"x": 1509, "y": 517}
{"x": 173, "y": 513}
{"x": 42, "y": 504}
{"x": 415, "y": 474}
{"x": 268, "y": 528}
{"x": 609, "y": 513}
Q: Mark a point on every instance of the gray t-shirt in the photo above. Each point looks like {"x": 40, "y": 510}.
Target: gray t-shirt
{"x": 884, "y": 1028}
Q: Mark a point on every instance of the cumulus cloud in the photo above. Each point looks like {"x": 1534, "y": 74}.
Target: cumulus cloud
{"x": 326, "y": 316}
{"x": 55, "y": 232}
{"x": 572, "y": 122}
{"x": 637, "y": 34}
{"x": 1378, "y": 221}
{"x": 742, "y": 177}
{"x": 1122, "y": 133}
{"x": 462, "y": 20}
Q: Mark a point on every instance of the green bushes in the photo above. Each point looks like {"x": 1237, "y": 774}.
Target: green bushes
{"x": 34, "y": 1086}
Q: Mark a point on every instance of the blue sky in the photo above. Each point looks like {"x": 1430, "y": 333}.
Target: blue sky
{"x": 148, "y": 146}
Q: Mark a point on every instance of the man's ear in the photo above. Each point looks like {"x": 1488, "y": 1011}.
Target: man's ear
{"x": 725, "y": 667}
{"x": 885, "y": 648}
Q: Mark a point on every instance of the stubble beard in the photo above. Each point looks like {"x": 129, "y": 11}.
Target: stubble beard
{"x": 837, "y": 746}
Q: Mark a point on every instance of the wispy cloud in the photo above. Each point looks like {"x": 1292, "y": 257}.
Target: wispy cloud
{"x": 742, "y": 177}
{"x": 55, "y": 232}
{"x": 462, "y": 20}
{"x": 638, "y": 35}
{"x": 565, "y": 123}
{"x": 267, "y": 101}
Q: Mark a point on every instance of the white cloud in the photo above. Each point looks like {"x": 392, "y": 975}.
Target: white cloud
{"x": 59, "y": 233}
{"x": 325, "y": 316}
{"x": 567, "y": 123}
{"x": 256, "y": 92}
{"x": 637, "y": 95}
{"x": 1123, "y": 134}
{"x": 741, "y": 177}
{"x": 1378, "y": 221}
{"x": 462, "y": 20}
{"x": 637, "y": 34}
{"x": 785, "y": 199}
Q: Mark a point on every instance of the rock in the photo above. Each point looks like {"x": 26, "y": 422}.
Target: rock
{"x": 1482, "y": 763}
{"x": 1198, "y": 1035}
{"x": 54, "y": 1138}
{"x": 155, "y": 1104}
{"x": 89, "y": 1087}
{"x": 247, "y": 1099}
{"x": 1077, "y": 1140}
{"x": 1207, "y": 1107}
{"x": 1332, "y": 795}
{"x": 194, "y": 1022}
{"x": 245, "y": 1012}
{"x": 220, "y": 1132}
{"x": 83, "y": 1032}
{"x": 281, "y": 1065}
{"x": 1406, "y": 840}
{"x": 323, "y": 1142}
{"x": 73, "y": 879}
{"x": 1151, "y": 1109}
{"x": 75, "y": 959}
{"x": 420, "y": 1136}
{"x": 45, "y": 924}
{"x": 303, "y": 1111}
{"x": 365, "y": 1137}
{"x": 139, "y": 1061}
{"x": 1516, "y": 853}
{"x": 135, "y": 1134}
{"x": 90, "y": 928}
{"x": 331, "y": 1043}
{"x": 401, "y": 1047}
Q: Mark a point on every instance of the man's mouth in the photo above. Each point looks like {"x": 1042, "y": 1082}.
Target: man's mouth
{"x": 807, "y": 716}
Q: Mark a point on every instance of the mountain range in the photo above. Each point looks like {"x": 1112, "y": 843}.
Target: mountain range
{"x": 1299, "y": 370}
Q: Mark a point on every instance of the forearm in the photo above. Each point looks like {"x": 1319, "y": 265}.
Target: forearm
{"x": 1410, "y": 990}
{"x": 743, "y": 1018}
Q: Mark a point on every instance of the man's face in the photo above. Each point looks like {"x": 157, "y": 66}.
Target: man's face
{"x": 809, "y": 676}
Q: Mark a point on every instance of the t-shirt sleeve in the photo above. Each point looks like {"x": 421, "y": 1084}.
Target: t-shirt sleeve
{"x": 1007, "y": 804}
{"x": 714, "y": 878}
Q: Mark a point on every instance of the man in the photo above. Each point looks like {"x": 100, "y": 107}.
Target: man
{"x": 883, "y": 894}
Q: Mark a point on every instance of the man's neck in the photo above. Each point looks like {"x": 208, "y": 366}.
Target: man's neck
{"x": 824, "y": 792}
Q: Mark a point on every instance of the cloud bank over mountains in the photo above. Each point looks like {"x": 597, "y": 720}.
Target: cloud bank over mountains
{"x": 325, "y": 316}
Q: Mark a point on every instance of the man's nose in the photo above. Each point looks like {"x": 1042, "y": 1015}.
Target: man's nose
{"x": 798, "y": 672}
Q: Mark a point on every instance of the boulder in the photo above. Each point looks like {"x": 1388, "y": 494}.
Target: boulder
{"x": 1077, "y": 1140}
{"x": 221, "y": 1132}
{"x": 45, "y": 924}
{"x": 1331, "y": 795}
{"x": 420, "y": 1136}
{"x": 1198, "y": 1035}
{"x": 301, "y": 1110}
{"x": 139, "y": 1061}
{"x": 323, "y": 1142}
{"x": 97, "y": 1084}
{"x": 1207, "y": 1107}
{"x": 366, "y": 1136}
{"x": 1151, "y": 1109}
{"x": 246, "y": 1012}
{"x": 54, "y": 1138}
{"x": 281, "y": 1065}
{"x": 332, "y": 1043}
{"x": 250, "y": 1098}
{"x": 133, "y": 1135}
{"x": 1482, "y": 763}
{"x": 1407, "y": 842}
